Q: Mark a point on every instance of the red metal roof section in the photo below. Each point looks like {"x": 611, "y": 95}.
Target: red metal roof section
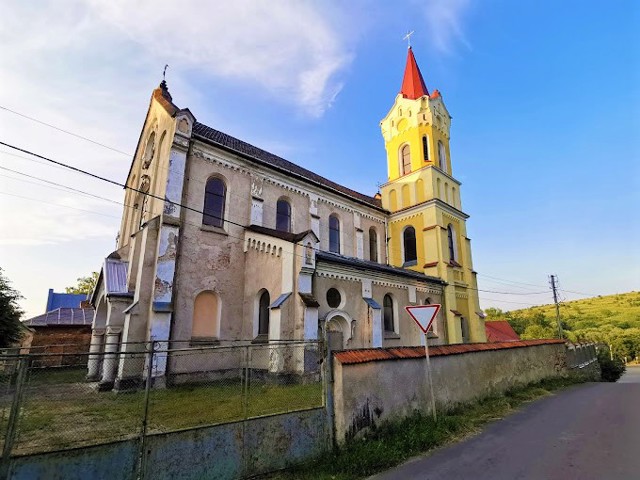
{"x": 413, "y": 85}
{"x": 500, "y": 331}
{"x": 351, "y": 357}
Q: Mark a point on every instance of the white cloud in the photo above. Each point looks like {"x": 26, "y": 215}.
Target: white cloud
{"x": 290, "y": 48}
{"x": 444, "y": 23}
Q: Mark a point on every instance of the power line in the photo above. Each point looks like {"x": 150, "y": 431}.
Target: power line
{"x": 511, "y": 281}
{"x": 57, "y": 204}
{"x": 113, "y": 182}
{"x": 64, "y": 187}
{"x": 95, "y": 142}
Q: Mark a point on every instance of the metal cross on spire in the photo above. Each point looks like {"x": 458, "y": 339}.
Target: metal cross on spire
{"x": 164, "y": 73}
{"x": 407, "y": 37}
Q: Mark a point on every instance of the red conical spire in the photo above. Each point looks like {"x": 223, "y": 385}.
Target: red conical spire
{"x": 413, "y": 84}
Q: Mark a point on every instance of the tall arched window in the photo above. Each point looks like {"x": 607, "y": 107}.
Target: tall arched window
{"x": 389, "y": 323}
{"x": 263, "y": 313}
{"x": 373, "y": 245}
{"x": 409, "y": 243}
{"x": 425, "y": 148}
{"x": 214, "y": 199}
{"x": 451, "y": 241}
{"x": 442, "y": 156}
{"x": 405, "y": 155}
{"x": 283, "y": 216}
{"x": 393, "y": 200}
{"x": 206, "y": 316}
{"x": 334, "y": 234}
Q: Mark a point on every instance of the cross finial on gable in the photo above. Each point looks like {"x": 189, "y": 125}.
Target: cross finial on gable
{"x": 164, "y": 72}
{"x": 407, "y": 37}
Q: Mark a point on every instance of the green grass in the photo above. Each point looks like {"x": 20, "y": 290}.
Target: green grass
{"x": 610, "y": 319}
{"x": 393, "y": 442}
{"x": 60, "y": 412}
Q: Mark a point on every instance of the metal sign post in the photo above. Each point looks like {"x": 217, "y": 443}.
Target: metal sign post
{"x": 429, "y": 381}
{"x": 424, "y": 316}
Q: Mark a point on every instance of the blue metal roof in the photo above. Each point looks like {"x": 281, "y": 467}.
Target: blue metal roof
{"x": 64, "y": 300}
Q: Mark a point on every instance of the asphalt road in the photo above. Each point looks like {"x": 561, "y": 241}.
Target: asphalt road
{"x": 591, "y": 431}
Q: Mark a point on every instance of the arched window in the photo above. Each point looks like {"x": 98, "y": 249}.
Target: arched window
{"x": 206, "y": 316}
{"x": 373, "y": 245}
{"x": 438, "y": 189}
{"x": 263, "y": 313}
{"x": 405, "y": 155}
{"x": 389, "y": 323}
{"x": 214, "y": 199}
{"x": 283, "y": 216}
{"x": 464, "y": 331}
{"x": 425, "y": 148}
{"x": 451, "y": 241}
{"x": 442, "y": 156}
{"x": 453, "y": 196}
{"x": 419, "y": 190}
{"x": 406, "y": 195}
{"x": 334, "y": 234}
{"x": 409, "y": 243}
{"x": 149, "y": 151}
{"x": 393, "y": 200}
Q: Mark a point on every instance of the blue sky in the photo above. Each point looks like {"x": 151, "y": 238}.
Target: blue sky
{"x": 544, "y": 97}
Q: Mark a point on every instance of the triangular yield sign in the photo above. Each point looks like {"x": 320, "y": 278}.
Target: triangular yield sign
{"x": 423, "y": 315}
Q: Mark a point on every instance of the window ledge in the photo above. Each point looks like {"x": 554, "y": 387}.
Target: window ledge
{"x": 410, "y": 263}
{"x": 262, "y": 338}
{"x": 391, "y": 336}
{"x": 212, "y": 229}
{"x": 203, "y": 341}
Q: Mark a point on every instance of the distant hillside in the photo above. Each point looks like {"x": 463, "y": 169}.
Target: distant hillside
{"x": 613, "y": 319}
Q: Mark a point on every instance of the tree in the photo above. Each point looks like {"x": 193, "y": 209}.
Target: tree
{"x": 10, "y": 312}
{"x": 85, "y": 284}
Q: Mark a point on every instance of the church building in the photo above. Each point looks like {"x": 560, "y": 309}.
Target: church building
{"x": 223, "y": 243}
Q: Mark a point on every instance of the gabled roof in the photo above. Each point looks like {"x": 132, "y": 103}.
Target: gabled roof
{"x": 62, "y": 317}
{"x": 500, "y": 331}
{"x": 413, "y": 85}
{"x": 260, "y": 156}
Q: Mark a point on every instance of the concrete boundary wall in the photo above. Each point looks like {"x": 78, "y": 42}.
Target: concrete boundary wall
{"x": 374, "y": 385}
{"x": 228, "y": 451}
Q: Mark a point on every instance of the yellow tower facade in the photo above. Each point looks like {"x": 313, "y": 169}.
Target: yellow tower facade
{"x": 427, "y": 227}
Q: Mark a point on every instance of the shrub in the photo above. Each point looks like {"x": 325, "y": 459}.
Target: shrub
{"x": 612, "y": 370}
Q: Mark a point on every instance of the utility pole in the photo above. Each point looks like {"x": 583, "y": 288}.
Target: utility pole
{"x": 553, "y": 280}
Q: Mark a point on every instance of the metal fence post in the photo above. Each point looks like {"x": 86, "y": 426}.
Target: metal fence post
{"x": 142, "y": 465}
{"x": 328, "y": 389}
{"x": 14, "y": 415}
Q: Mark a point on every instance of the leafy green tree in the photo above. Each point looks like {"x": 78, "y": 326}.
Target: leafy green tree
{"x": 85, "y": 284}
{"x": 10, "y": 312}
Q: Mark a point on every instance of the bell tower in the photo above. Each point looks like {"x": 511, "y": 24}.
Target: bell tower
{"x": 427, "y": 227}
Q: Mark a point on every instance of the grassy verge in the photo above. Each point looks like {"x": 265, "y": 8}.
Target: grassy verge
{"x": 60, "y": 411}
{"x": 393, "y": 442}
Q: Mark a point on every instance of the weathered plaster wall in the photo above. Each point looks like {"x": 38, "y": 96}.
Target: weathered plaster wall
{"x": 368, "y": 393}
{"x": 229, "y": 451}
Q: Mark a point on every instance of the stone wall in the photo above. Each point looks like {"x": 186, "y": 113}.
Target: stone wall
{"x": 374, "y": 385}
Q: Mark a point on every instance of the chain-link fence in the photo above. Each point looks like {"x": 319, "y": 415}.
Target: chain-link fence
{"x": 47, "y": 403}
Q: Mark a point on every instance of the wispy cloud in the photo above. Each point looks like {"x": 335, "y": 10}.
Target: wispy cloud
{"x": 289, "y": 48}
{"x": 445, "y": 20}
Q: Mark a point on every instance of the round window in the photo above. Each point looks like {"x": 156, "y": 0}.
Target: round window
{"x": 333, "y": 298}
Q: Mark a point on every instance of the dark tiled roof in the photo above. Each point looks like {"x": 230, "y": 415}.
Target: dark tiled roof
{"x": 350, "y": 357}
{"x": 367, "y": 265}
{"x": 500, "y": 331}
{"x": 287, "y": 236}
{"x": 62, "y": 317}
{"x": 262, "y": 156}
